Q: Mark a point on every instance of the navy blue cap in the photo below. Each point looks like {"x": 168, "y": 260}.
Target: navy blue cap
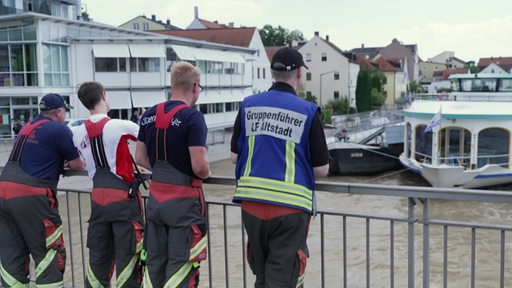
{"x": 53, "y": 101}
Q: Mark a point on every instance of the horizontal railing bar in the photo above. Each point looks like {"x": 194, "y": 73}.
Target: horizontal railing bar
{"x": 466, "y": 225}
{"x": 458, "y": 194}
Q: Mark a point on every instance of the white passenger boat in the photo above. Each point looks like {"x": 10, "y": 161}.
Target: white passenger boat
{"x": 463, "y": 138}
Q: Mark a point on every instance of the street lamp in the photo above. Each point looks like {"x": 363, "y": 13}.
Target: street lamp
{"x": 321, "y": 75}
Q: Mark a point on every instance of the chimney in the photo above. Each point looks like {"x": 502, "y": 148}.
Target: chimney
{"x": 168, "y": 22}
{"x": 327, "y": 38}
{"x": 196, "y": 12}
{"x": 231, "y": 24}
{"x": 362, "y": 45}
{"x": 317, "y": 33}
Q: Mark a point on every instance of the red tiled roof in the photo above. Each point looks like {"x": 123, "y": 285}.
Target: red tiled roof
{"x": 364, "y": 63}
{"x": 212, "y": 25}
{"x": 231, "y": 36}
{"x": 388, "y": 65}
{"x": 446, "y": 73}
{"x": 503, "y": 62}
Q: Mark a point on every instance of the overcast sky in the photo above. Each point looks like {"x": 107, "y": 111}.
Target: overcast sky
{"x": 472, "y": 29}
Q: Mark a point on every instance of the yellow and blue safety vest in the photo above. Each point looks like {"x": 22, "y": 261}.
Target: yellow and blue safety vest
{"x": 274, "y": 163}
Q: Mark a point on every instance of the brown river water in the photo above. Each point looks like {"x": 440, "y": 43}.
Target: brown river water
{"x": 459, "y": 239}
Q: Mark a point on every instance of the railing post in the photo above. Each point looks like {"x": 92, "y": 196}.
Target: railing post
{"x": 426, "y": 243}
{"x": 410, "y": 264}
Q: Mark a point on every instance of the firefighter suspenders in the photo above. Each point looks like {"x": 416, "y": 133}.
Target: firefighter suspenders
{"x": 22, "y": 138}
{"x": 95, "y": 132}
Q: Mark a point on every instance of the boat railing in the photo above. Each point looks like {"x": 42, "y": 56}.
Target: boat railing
{"x": 361, "y": 125}
{"x": 465, "y": 96}
{"x": 422, "y": 157}
{"x": 501, "y": 160}
{"x": 350, "y": 244}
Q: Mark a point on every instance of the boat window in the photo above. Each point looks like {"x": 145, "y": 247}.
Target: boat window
{"x": 408, "y": 144}
{"x": 478, "y": 85}
{"x": 455, "y": 146}
{"x": 423, "y": 144}
{"x": 493, "y": 147}
{"x": 505, "y": 85}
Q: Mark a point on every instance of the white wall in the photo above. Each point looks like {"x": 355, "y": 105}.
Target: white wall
{"x": 323, "y": 71}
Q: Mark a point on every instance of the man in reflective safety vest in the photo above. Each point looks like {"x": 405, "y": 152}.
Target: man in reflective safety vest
{"x": 115, "y": 232}
{"x": 29, "y": 216}
{"x": 172, "y": 143}
{"x": 279, "y": 147}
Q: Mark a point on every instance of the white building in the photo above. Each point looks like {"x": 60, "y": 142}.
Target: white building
{"x": 331, "y": 75}
{"x": 40, "y": 53}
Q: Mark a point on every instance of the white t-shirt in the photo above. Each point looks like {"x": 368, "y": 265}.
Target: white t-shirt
{"x": 116, "y": 134}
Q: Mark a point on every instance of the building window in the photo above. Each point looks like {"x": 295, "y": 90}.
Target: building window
{"x": 56, "y": 66}
{"x": 232, "y": 106}
{"x": 336, "y": 76}
{"x": 18, "y": 65}
{"x": 135, "y": 26}
{"x": 258, "y": 73}
{"x": 308, "y": 76}
{"x": 214, "y": 67}
{"x": 203, "y": 108}
{"x": 219, "y": 107}
{"x": 110, "y": 64}
{"x": 336, "y": 95}
{"x": 18, "y": 62}
{"x": 145, "y": 26}
{"x": 264, "y": 73}
{"x": 144, "y": 64}
{"x": 308, "y": 94}
{"x": 308, "y": 57}
{"x": 324, "y": 56}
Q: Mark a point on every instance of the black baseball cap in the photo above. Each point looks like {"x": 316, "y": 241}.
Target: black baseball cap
{"x": 53, "y": 101}
{"x": 287, "y": 59}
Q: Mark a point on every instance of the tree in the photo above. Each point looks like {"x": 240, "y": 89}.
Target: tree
{"x": 278, "y": 36}
{"x": 369, "y": 94}
{"x": 472, "y": 68}
{"x": 377, "y": 97}
{"x": 302, "y": 94}
{"x": 363, "y": 101}
{"x": 338, "y": 106}
{"x": 414, "y": 87}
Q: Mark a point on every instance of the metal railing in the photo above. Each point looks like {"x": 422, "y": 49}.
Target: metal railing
{"x": 351, "y": 243}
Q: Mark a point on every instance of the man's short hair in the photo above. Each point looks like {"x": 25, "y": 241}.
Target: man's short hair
{"x": 89, "y": 94}
{"x": 283, "y": 75}
{"x": 184, "y": 75}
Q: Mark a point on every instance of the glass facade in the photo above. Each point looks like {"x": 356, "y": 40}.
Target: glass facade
{"x": 59, "y": 8}
{"x": 18, "y": 56}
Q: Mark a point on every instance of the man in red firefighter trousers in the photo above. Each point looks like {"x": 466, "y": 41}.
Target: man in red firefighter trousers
{"x": 114, "y": 235}
{"x": 172, "y": 143}
{"x": 279, "y": 148}
{"x": 29, "y": 216}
